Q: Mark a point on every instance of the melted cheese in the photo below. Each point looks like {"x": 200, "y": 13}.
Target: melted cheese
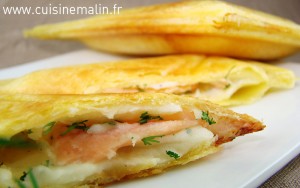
{"x": 163, "y": 85}
{"x": 111, "y": 112}
{"x": 6, "y": 179}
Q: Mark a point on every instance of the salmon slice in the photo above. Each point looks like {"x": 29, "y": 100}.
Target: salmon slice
{"x": 89, "y": 147}
{"x": 98, "y": 145}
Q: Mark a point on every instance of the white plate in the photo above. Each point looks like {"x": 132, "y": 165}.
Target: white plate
{"x": 246, "y": 162}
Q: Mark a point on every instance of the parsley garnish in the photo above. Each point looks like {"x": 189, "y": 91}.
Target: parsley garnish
{"x": 32, "y": 179}
{"x": 17, "y": 142}
{"x": 145, "y": 117}
{"x": 22, "y": 178}
{"x": 149, "y": 139}
{"x": 29, "y": 131}
{"x": 206, "y": 118}
{"x": 48, "y": 127}
{"x": 77, "y": 125}
{"x": 172, "y": 154}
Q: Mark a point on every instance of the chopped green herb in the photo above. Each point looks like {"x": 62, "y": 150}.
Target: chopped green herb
{"x": 17, "y": 142}
{"x": 172, "y": 154}
{"x": 22, "y": 178}
{"x": 206, "y": 118}
{"x": 149, "y": 139}
{"x": 145, "y": 117}
{"x": 77, "y": 125}
{"x": 33, "y": 180}
{"x": 29, "y": 131}
{"x": 48, "y": 127}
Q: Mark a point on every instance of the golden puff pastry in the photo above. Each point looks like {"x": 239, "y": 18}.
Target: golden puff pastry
{"x": 221, "y": 80}
{"x": 208, "y": 27}
{"x": 68, "y": 140}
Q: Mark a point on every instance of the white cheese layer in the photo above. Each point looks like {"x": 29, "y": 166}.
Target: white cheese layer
{"x": 127, "y": 158}
{"x": 6, "y": 179}
{"x": 111, "y": 112}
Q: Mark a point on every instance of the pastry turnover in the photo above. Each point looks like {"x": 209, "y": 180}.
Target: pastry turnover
{"x": 221, "y": 80}
{"x": 209, "y": 27}
{"x": 67, "y": 140}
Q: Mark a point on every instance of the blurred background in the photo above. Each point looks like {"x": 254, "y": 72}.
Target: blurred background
{"x": 15, "y": 50}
